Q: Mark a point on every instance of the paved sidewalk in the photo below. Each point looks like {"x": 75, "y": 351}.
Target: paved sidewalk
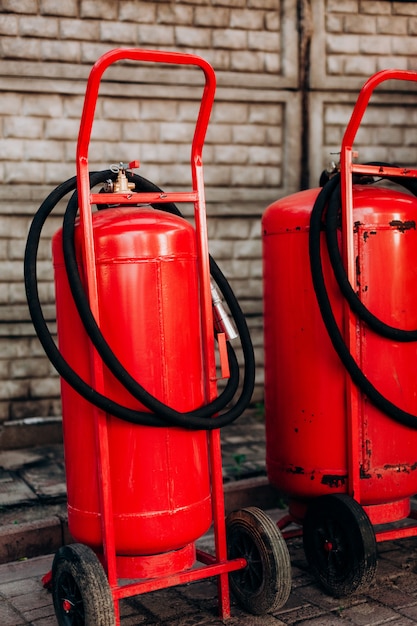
{"x": 33, "y": 525}
{"x": 391, "y": 600}
{"x": 33, "y": 490}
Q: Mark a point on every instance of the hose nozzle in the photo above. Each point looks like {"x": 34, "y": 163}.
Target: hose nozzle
{"x": 223, "y": 323}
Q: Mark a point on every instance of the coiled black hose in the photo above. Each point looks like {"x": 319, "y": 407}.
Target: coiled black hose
{"x": 160, "y": 414}
{"x": 329, "y": 198}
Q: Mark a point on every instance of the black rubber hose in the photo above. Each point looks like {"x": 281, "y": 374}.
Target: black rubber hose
{"x": 104, "y": 349}
{"x": 332, "y": 223}
{"x": 357, "y": 375}
{"x": 193, "y": 420}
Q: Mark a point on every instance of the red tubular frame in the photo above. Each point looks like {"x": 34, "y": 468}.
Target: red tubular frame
{"x": 218, "y": 565}
{"x": 347, "y": 169}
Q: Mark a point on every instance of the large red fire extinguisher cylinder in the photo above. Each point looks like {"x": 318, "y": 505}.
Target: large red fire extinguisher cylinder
{"x": 307, "y": 416}
{"x": 150, "y": 316}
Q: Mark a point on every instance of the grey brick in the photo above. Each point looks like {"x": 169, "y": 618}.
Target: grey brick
{"x": 43, "y": 105}
{"x": 357, "y": 24}
{"x": 230, "y": 38}
{"x": 262, "y": 4}
{"x": 38, "y": 27}
{"x": 144, "y": 12}
{"x": 9, "y": 25}
{"x": 232, "y": 154}
{"x": 10, "y": 389}
{"x": 229, "y": 3}
{"x": 22, "y": 127}
{"x": 176, "y": 132}
{"x": 360, "y": 65}
{"x": 19, "y": 48}
{"x": 157, "y": 35}
{"x": 374, "y": 45}
{"x": 343, "y": 6}
{"x": 175, "y": 14}
{"x": 61, "y": 128}
{"x": 91, "y": 51}
{"x": 140, "y": 131}
{"x": 225, "y": 112}
{"x": 272, "y": 21}
{"x": 266, "y": 114}
{"x": 403, "y": 46}
{"x": 12, "y": 148}
{"x": 273, "y": 177}
{"x": 376, "y": 7}
{"x": 44, "y": 387}
{"x": 11, "y": 103}
{"x": 29, "y": 368}
{"x": 25, "y": 172}
{"x": 391, "y": 25}
{"x": 406, "y": 8}
{"x": 205, "y": 16}
{"x": 79, "y": 29}
{"x": 189, "y": 36}
{"x": 248, "y": 19}
{"x": 119, "y": 32}
{"x": 272, "y": 63}
{"x": 99, "y": 9}
{"x": 21, "y": 6}
{"x": 65, "y": 51}
{"x": 64, "y": 8}
{"x": 342, "y": 44}
{"x": 247, "y": 61}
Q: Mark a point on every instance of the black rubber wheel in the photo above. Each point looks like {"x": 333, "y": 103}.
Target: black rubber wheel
{"x": 339, "y": 544}
{"x": 264, "y": 584}
{"x": 80, "y": 589}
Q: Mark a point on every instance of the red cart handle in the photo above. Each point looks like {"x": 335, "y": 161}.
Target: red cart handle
{"x": 90, "y": 102}
{"x": 364, "y": 97}
{"x": 347, "y": 167}
{"x": 86, "y": 199}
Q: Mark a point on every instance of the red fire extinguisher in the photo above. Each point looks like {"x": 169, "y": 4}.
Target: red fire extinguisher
{"x": 139, "y": 309}
{"x": 340, "y": 357}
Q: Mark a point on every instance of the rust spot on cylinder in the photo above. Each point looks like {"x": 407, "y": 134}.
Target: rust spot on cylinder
{"x": 333, "y": 480}
{"x": 368, "y": 233}
{"x": 403, "y": 468}
{"x": 403, "y": 226}
{"x": 295, "y": 470}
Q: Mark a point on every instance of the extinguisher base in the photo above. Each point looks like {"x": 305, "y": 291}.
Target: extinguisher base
{"x": 155, "y": 565}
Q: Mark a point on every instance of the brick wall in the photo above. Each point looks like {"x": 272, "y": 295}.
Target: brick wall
{"x": 288, "y": 74}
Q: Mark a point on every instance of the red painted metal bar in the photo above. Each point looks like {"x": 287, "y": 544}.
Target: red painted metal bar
{"x": 395, "y": 533}
{"x": 143, "y": 198}
{"x": 383, "y": 170}
{"x": 286, "y": 521}
{"x": 352, "y": 392}
{"x": 217, "y": 501}
{"x": 347, "y": 168}
{"x": 364, "y": 97}
{"x": 220, "y": 566}
{"x": 182, "y": 578}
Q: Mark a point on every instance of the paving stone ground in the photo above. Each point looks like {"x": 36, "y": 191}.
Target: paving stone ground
{"x": 392, "y": 599}
{"x": 32, "y": 492}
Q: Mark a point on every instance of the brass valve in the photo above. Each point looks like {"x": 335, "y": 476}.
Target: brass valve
{"x": 121, "y": 184}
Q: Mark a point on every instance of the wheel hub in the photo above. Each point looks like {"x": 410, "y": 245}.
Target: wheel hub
{"x": 67, "y": 605}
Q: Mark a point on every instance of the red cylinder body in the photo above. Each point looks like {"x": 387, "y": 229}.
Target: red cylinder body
{"x": 150, "y": 315}
{"x": 307, "y": 420}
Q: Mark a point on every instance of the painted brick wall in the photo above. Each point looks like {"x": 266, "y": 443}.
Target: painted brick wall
{"x": 288, "y": 75}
